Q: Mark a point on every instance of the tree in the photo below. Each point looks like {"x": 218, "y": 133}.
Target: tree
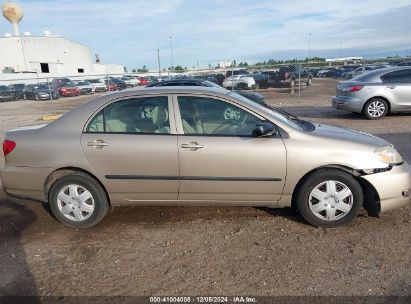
{"x": 179, "y": 69}
{"x": 134, "y": 70}
{"x": 234, "y": 63}
{"x": 143, "y": 69}
{"x": 125, "y": 69}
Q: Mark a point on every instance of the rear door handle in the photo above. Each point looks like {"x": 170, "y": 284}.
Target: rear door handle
{"x": 98, "y": 143}
{"x": 193, "y": 146}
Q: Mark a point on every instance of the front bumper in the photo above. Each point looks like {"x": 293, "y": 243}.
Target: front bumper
{"x": 392, "y": 186}
{"x": 347, "y": 103}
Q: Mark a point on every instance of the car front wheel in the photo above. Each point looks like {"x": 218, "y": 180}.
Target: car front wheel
{"x": 375, "y": 108}
{"x": 329, "y": 198}
{"x": 78, "y": 201}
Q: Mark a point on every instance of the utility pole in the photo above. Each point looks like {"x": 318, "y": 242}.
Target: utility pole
{"x": 158, "y": 59}
{"x": 309, "y": 47}
{"x": 198, "y": 67}
{"x": 171, "y": 53}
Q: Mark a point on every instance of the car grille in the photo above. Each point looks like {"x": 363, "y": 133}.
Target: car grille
{"x": 85, "y": 91}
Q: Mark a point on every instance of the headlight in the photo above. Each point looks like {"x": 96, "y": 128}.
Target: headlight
{"x": 388, "y": 155}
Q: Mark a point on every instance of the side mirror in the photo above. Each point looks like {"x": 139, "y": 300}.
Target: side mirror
{"x": 264, "y": 130}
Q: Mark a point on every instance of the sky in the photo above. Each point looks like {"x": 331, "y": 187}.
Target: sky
{"x": 130, "y": 32}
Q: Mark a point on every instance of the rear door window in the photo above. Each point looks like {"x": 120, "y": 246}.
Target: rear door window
{"x": 401, "y": 76}
{"x": 149, "y": 115}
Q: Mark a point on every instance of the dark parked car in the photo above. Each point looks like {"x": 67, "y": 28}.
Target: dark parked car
{"x": 121, "y": 85}
{"x": 18, "y": 89}
{"x": 219, "y": 78}
{"x": 65, "y": 87}
{"x": 261, "y": 80}
{"x": 292, "y": 75}
{"x": 407, "y": 63}
{"x": 257, "y": 97}
{"x": 40, "y": 92}
{"x": 328, "y": 72}
{"x": 7, "y": 94}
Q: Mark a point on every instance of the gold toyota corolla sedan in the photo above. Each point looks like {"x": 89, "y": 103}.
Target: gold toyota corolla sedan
{"x": 200, "y": 146}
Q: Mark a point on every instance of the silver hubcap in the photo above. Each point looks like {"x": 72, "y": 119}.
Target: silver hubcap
{"x": 331, "y": 200}
{"x": 376, "y": 109}
{"x": 75, "y": 202}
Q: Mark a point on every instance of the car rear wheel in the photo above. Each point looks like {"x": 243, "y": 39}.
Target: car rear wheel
{"x": 309, "y": 81}
{"x": 375, "y": 108}
{"x": 329, "y": 198}
{"x": 78, "y": 201}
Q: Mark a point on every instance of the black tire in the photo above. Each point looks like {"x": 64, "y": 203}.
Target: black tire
{"x": 370, "y": 109}
{"x": 309, "y": 81}
{"x": 101, "y": 204}
{"x": 37, "y": 98}
{"x": 321, "y": 176}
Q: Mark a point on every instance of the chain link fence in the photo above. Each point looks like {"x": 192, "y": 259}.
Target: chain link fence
{"x": 288, "y": 81}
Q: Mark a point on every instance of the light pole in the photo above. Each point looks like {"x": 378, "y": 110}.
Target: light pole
{"x": 158, "y": 59}
{"x": 171, "y": 53}
{"x": 309, "y": 46}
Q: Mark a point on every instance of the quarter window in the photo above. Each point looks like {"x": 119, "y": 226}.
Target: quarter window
{"x": 133, "y": 116}
{"x": 208, "y": 116}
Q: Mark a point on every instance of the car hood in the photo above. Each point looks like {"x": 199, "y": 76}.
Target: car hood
{"x": 339, "y": 133}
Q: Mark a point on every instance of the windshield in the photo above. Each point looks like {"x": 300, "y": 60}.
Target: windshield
{"x": 211, "y": 84}
{"x": 41, "y": 87}
{"x": 278, "y": 114}
{"x": 66, "y": 83}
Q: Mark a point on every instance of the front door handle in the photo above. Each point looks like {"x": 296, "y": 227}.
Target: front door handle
{"x": 193, "y": 146}
{"x": 391, "y": 87}
{"x": 98, "y": 143}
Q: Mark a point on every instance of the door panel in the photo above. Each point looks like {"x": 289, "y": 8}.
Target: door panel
{"x": 139, "y": 167}
{"x": 132, "y": 144}
{"x": 398, "y": 87}
{"x": 232, "y": 168}
{"x": 219, "y": 159}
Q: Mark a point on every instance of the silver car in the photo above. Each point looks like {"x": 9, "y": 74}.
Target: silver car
{"x": 200, "y": 146}
{"x": 376, "y": 93}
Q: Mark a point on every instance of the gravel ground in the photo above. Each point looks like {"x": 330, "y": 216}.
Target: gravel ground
{"x": 207, "y": 251}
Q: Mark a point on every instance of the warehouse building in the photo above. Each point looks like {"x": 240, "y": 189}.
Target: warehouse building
{"x": 47, "y": 55}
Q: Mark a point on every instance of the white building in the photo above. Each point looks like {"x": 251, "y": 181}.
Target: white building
{"x": 224, "y": 64}
{"x": 48, "y": 56}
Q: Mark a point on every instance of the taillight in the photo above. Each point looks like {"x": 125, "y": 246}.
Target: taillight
{"x": 353, "y": 88}
{"x": 8, "y": 146}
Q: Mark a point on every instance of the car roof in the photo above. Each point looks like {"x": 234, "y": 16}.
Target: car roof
{"x": 374, "y": 75}
{"x": 172, "y": 90}
{"x": 200, "y": 81}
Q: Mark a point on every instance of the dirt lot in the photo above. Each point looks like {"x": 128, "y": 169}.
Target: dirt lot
{"x": 207, "y": 251}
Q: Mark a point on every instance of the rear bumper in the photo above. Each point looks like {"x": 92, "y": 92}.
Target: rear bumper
{"x": 347, "y": 103}
{"x": 392, "y": 186}
{"x": 25, "y": 182}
